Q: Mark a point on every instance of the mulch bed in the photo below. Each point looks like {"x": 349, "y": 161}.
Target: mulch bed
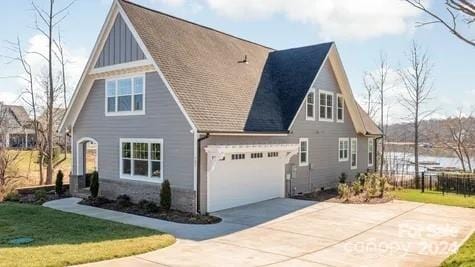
{"x": 162, "y": 214}
{"x": 331, "y": 195}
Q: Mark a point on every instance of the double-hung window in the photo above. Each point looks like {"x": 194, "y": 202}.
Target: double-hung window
{"x": 343, "y": 149}
{"x": 141, "y": 159}
{"x": 303, "y": 152}
{"x": 370, "y": 152}
{"x": 326, "y": 106}
{"x": 354, "y": 153}
{"x": 125, "y": 96}
{"x": 340, "y": 108}
{"x": 311, "y": 105}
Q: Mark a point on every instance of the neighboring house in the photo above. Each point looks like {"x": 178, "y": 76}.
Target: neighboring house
{"x": 59, "y": 138}
{"x": 227, "y": 121}
{"x": 17, "y": 129}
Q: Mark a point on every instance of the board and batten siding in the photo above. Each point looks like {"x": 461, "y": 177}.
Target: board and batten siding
{"x": 120, "y": 46}
{"x": 324, "y": 168}
{"x": 163, "y": 119}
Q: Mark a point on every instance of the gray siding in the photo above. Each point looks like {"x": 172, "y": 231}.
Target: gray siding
{"x": 163, "y": 119}
{"x": 120, "y": 46}
{"x": 324, "y": 168}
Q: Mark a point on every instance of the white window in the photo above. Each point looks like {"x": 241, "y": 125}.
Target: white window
{"x": 340, "y": 108}
{"x": 354, "y": 153}
{"x": 125, "y": 96}
{"x": 311, "y": 105}
{"x": 326, "y": 106}
{"x": 141, "y": 159}
{"x": 303, "y": 152}
{"x": 343, "y": 149}
{"x": 370, "y": 152}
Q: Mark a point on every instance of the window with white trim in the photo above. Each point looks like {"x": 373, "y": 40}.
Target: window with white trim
{"x": 311, "y": 105}
{"x": 354, "y": 153}
{"x": 326, "y": 106}
{"x": 370, "y": 152}
{"x": 141, "y": 159}
{"x": 238, "y": 156}
{"x": 125, "y": 96}
{"x": 343, "y": 149}
{"x": 340, "y": 108}
{"x": 303, "y": 152}
{"x": 272, "y": 154}
{"x": 256, "y": 155}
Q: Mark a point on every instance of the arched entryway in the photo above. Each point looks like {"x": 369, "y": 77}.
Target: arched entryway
{"x": 87, "y": 155}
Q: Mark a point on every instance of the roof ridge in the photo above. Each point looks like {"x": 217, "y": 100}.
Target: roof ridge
{"x": 305, "y": 46}
{"x": 196, "y": 24}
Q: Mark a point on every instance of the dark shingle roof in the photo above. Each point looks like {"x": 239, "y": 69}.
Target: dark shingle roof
{"x": 19, "y": 113}
{"x": 217, "y": 92}
{"x": 288, "y": 75}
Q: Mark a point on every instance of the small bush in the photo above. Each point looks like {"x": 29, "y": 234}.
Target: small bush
{"x": 94, "y": 187}
{"x": 166, "y": 195}
{"x": 123, "y": 201}
{"x": 151, "y": 207}
{"x": 143, "y": 203}
{"x": 12, "y": 196}
{"x": 344, "y": 192}
{"x": 356, "y": 187}
{"x": 59, "y": 183}
{"x": 342, "y": 178}
{"x": 41, "y": 195}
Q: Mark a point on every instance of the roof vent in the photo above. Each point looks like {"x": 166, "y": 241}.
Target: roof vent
{"x": 244, "y": 60}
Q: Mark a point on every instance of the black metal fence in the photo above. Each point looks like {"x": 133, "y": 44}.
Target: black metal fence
{"x": 459, "y": 183}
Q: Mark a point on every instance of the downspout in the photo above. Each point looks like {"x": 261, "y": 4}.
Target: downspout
{"x": 198, "y": 175}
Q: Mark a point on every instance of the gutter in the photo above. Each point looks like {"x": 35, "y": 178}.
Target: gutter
{"x": 255, "y": 133}
{"x": 198, "y": 174}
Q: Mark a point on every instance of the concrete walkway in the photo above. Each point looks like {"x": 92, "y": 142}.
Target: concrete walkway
{"x": 287, "y": 232}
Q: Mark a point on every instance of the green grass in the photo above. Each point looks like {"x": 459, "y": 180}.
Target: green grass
{"x": 62, "y": 239}
{"x": 435, "y": 197}
{"x": 465, "y": 256}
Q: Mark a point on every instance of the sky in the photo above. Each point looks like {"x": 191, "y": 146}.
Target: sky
{"x": 362, "y": 30}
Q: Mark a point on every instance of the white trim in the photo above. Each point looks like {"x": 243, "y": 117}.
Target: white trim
{"x": 311, "y": 85}
{"x": 355, "y": 151}
{"x": 149, "y": 160}
{"x": 300, "y": 151}
{"x": 326, "y": 93}
{"x": 79, "y": 171}
{"x": 127, "y": 65}
{"x": 99, "y": 44}
{"x": 125, "y": 113}
{"x": 311, "y": 91}
{"x": 249, "y": 134}
{"x": 347, "y": 140}
{"x": 149, "y": 56}
{"x": 195, "y": 161}
{"x": 342, "y": 107}
{"x": 371, "y": 143}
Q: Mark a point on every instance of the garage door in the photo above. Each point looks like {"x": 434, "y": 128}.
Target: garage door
{"x": 244, "y": 178}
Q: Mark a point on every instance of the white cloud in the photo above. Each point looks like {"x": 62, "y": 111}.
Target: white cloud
{"x": 8, "y": 97}
{"x": 346, "y": 19}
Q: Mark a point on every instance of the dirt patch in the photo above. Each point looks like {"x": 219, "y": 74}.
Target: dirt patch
{"x": 162, "y": 214}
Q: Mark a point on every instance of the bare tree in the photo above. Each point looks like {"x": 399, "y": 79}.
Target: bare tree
{"x": 416, "y": 79}
{"x": 460, "y": 138}
{"x": 377, "y": 82}
{"x": 458, "y": 11}
{"x": 8, "y": 158}
{"x": 370, "y": 95}
{"x": 46, "y": 21}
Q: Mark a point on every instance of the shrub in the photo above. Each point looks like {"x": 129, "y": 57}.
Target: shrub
{"x": 123, "y": 201}
{"x": 361, "y": 177}
{"x": 12, "y": 196}
{"x": 41, "y": 195}
{"x": 94, "y": 187}
{"x": 166, "y": 195}
{"x": 143, "y": 203}
{"x": 356, "y": 187}
{"x": 151, "y": 207}
{"x": 383, "y": 186}
{"x": 342, "y": 178}
{"x": 344, "y": 192}
{"x": 59, "y": 183}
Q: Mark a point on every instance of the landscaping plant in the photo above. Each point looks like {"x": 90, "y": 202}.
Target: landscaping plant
{"x": 344, "y": 192}
{"x": 166, "y": 195}
{"x": 59, "y": 183}
{"x": 342, "y": 178}
{"x": 123, "y": 201}
{"x": 94, "y": 188}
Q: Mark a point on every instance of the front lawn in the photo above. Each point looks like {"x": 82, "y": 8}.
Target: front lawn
{"x": 435, "y": 197}
{"x": 62, "y": 239}
{"x": 465, "y": 256}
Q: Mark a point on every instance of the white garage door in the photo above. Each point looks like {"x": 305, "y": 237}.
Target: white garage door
{"x": 237, "y": 181}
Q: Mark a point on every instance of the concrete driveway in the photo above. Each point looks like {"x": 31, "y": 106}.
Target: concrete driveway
{"x": 287, "y": 232}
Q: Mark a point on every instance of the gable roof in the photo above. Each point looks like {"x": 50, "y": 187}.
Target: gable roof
{"x": 18, "y": 113}
{"x": 204, "y": 72}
